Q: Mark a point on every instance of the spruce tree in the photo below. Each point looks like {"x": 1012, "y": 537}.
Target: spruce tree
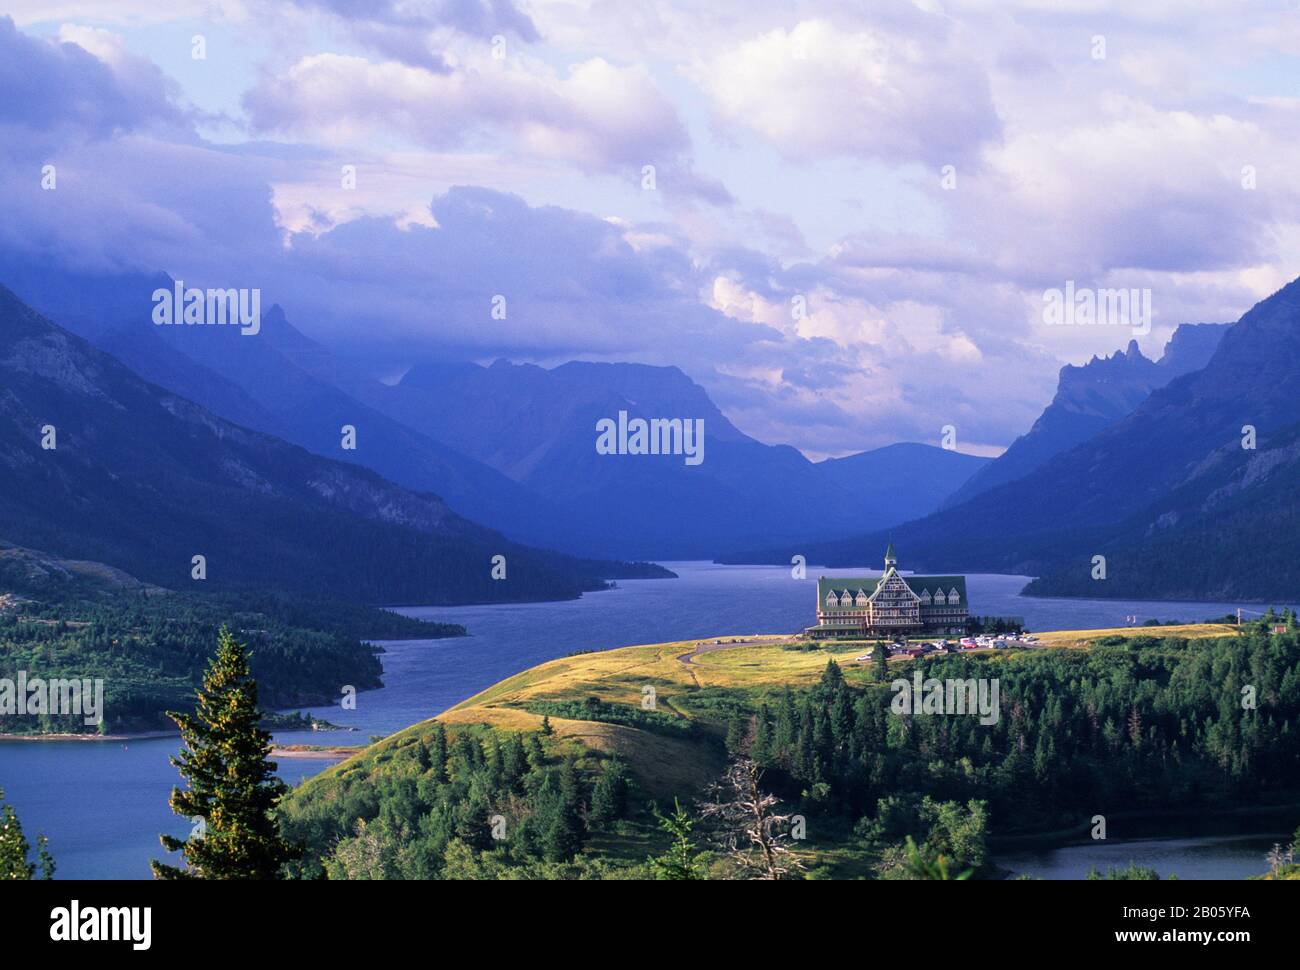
{"x": 681, "y": 861}
{"x": 560, "y": 824}
{"x": 473, "y": 822}
{"x": 571, "y": 785}
{"x": 14, "y": 849}
{"x": 761, "y": 749}
{"x": 467, "y": 754}
{"x": 493, "y": 762}
{"x": 536, "y": 754}
{"x": 438, "y": 753}
{"x": 232, "y": 789}
{"x": 737, "y": 740}
{"x": 514, "y": 762}
{"x": 881, "y": 656}
{"x": 609, "y": 794}
{"x": 832, "y": 680}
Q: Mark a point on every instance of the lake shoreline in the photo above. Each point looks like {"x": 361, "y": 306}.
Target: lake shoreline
{"x": 308, "y": 751}
{"x": 1078, "y": 835}
{"x": 66, "y": 736}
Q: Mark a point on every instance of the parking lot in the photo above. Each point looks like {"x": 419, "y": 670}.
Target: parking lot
{"x": 910, "y": 650}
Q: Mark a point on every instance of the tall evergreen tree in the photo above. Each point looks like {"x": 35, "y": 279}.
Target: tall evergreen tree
{"x": 514, "y": 761}
{"x": 559, "y": 822}
{"x": 881, "y": 656}
{"x": 832, "y": 680}
{"x": 571, "y": 784}
{"x": 609, "y": 794}
{"x": 438, "y": 753}
{"x": 494, "y": 762}
{"x": 738, "y": 733}
{"x": 473, "y": 822}
{"x": 14, "y": 849}
{"x": 232, "y": 789}
{"x": 536, "y": 753}
{"x": 467, "y": 753}
{"x": 761, "y": 749}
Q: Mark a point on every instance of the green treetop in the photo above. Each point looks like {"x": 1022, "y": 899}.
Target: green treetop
{"x": 14, "y": 849}
{"x": 232, "y": 789}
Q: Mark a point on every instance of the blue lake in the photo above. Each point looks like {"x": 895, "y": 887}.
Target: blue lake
{"x": 1199, "y": 857}
{"x": 102, "y": 804}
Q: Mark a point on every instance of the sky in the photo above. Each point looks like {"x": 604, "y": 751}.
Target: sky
{"x": 841, "y": 219}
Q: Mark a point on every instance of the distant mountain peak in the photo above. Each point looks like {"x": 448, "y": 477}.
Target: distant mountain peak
{"x": 1091, "y": 397}
{"x": 144, "y": 478}
{"x": 1191, "y": 346}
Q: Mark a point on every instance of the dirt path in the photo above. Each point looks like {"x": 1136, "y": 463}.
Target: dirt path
{"x": 687, "y": 660}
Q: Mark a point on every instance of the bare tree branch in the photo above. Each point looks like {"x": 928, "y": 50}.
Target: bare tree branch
{"x": 756, "y": 837}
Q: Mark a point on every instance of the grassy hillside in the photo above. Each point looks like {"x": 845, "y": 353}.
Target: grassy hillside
{"x": 1115, "y": 718}
{"x": 1083, "y": 638}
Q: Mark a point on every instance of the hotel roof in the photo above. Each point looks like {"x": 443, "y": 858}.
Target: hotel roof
{"x": 917, "y": 584}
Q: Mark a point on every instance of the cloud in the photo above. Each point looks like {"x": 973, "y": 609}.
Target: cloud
{"x": 85, "y": 85}
{"x": 820, "y": 90}
{"x": 1138, "y": 187}
{"x": 409, "y": 32}
{"x": 119, "y": 12}
{"x": 860, "y": 366}
{"x": 829, "y": 126}
{"x": 578, "y": 286}
{"x": 139, "y": 203}
{"x": 573, "y": 284}
{"x": 597, "y": 116}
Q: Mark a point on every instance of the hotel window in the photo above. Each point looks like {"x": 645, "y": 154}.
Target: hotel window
{"x": 953, "y": 598}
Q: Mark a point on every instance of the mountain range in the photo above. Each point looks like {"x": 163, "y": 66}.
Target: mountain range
{"x": 100, "y": 464}
{"x": 1190, "y": 496}
{"x": 538, "y": 426}
{"x": 512, "y": 445}
{"x": 1090, "y": 398}
{"x": 1139, "y": 461}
